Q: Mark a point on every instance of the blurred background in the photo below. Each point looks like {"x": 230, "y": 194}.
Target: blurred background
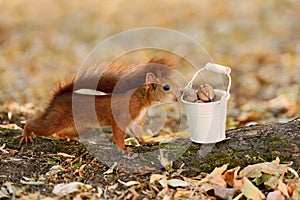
{"x": 42, "y": 42}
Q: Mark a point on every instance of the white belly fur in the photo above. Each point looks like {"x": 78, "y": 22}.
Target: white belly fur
{"x": 134, "y": 129}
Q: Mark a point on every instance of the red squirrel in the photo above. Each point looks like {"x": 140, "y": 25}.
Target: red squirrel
{"x": 140, "y": 86}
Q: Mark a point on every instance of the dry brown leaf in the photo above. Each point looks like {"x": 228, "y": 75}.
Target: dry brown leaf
{"x": 165, "y": 193}
{"x": 35, "y": 195}
{"x": 178, "y": 183}
{"x": 3, "y": 196}
{"x": 67, "y": 188}
{"x": 113, "y": 187}
{"x": 248, "y": 116}
{"x": 182, "y": 193}
{"x": 81, "y": 170}
{"x": 296, "y": 189}
{"x": 283, "y": 188}
{"x": 206, "y": 187}
{"x": 135, "y": 194}
{"x": 191, "y": 181}
{"x": 219, "y": 170}
{"x": 225, "y": 193}
{"x": 129, "y": 183}
{"x": 13, "y": 151}
{"x": 65, "y": 155}
{"x": 281, "y": 104}
{"x": 11, "y": 126}
{"x": 156, "y": 177}
{"x": 215, "y": 177}
{"x": 272, "y": 168}
{"x": 111, "y": 169}
{"x": 163, "y": 182}
{"x": 275, "y": 195}
{"x": 250, "y": 191}
{"x": 230, "y": 175}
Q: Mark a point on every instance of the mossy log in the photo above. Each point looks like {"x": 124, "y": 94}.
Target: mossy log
{"x": 244, "y": 146}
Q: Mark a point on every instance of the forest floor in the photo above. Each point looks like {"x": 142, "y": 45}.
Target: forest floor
{"x": 43, "y": 42}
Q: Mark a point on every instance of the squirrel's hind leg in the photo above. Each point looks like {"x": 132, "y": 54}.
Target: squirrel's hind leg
{"x": 119, "y": 136}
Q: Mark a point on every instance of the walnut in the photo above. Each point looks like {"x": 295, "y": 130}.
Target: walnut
{"x": 206, "y": 93}
{"x": 190, "y": 95}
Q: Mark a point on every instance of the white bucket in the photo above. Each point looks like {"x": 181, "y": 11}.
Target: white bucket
{"x": 207, "y": 121}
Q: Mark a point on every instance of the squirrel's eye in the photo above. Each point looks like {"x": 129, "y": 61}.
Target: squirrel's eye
{"x": 166, "y": 87}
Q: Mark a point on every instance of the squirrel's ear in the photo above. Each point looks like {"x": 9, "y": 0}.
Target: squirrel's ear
{"x": 150, "y": 78}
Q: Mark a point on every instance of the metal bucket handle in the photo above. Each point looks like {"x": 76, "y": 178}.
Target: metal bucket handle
{"x": 217, "y": 69}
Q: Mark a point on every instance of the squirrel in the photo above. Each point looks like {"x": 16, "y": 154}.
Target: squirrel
{"x": 140, "y": 87}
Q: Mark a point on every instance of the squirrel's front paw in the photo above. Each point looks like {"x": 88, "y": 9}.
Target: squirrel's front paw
{"x": 24, "y": 138}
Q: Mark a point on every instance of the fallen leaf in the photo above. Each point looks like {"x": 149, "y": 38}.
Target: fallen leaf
{"x": 35, "y": 195}
{"x": 283, "y": 188}
{"x": 272, "y": 168}
{"x": 132, "y": 141}
{"x": 182, "y": 193}
{"x": 66, "y": 155}
{"x": 165, "y": 194}
{"x": 113, "y": 187}
{"x": 32, "y": 182}
{"x": 164, "y": 159}
{"x": 293, "y": 172}
{"x": 191, "y": 181}
{"x": 80, "y": 171}
{"x": 248, "y": 116}
{"x": 68, "y": 188}
{"x": 9, "y": 115}
{"x": 178, "y": 183}
{"x": 3, "y": 196}
{"x": 206, "y": 187}
{"x": 54, "y": 170}
{"x": 156, "y": 177}
{"x": 215, "y": 177}
{"x": 111, "y": 169}
{"x": 13, "y": 151}
{"x": 230, "y": 175}
{"x": 225, "y": 193}
{"x": 129, "y": 183}
{"x": 275, "y": 195}
{"x": 250, "y": 191}
{"x": 268, "y": 180}
{"x": 296, "y": 192}
{"x": 11, "y": 126}
{"x": 163, "y": 182}
{"x": 10, "y": 188}
{"x": 135, "y": 194}
{"x": 219, "y": 170}
{"x": 281, "y": 104}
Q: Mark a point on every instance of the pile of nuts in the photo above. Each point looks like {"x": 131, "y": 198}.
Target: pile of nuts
{"x": 205, "y": 93}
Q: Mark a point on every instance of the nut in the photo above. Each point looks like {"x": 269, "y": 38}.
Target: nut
{"x": 190, "y": 95}
{"x": 206, "y": 93}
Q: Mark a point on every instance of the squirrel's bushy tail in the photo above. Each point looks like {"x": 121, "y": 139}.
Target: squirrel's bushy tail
{"x": 120, "y": 78}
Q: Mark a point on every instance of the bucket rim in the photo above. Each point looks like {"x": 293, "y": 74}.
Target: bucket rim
{"x": 224, "y": 96}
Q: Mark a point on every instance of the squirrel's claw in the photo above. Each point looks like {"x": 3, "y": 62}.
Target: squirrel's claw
{"x": 24, "y": 138}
